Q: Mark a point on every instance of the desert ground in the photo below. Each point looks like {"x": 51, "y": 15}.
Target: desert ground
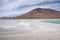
{"x": 30, "y": 29}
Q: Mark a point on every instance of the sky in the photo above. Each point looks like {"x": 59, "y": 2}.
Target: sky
{"x": 12, "y": 8}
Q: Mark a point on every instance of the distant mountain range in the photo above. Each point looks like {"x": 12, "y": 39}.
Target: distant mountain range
{"x": 38, "y": 13}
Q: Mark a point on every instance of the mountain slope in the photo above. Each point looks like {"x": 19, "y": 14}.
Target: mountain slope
{"x": 40, "y": 13}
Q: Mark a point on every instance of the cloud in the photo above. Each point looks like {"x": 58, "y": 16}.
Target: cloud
{"x": 19, "y": 7}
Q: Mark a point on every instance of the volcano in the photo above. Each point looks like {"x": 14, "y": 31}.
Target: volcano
{"x": 40, "y": 13}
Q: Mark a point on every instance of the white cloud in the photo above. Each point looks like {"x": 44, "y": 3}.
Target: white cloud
{"x": 8, "y": 6}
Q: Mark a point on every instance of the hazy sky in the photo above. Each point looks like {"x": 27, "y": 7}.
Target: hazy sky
{"x": 10, "y": 8}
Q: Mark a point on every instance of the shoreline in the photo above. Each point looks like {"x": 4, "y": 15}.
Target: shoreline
{"x": 36, "y": 31}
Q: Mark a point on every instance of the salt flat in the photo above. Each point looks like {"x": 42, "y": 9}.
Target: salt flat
{"x": 30, "y": 29}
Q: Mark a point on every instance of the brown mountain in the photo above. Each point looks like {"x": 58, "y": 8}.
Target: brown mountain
{"x": 40, "y": 13}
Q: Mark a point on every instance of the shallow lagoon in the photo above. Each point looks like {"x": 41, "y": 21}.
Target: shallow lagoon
{"x": 29, "y": 24}
{"x": 31, "y": 29}
{"x": 57, "y": 21}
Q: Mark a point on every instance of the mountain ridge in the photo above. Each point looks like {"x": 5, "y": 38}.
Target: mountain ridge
{"x": 39, "y": 13}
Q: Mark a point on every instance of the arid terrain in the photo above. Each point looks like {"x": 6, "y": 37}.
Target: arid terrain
{"x": 38, "y": 13}
{"x": 41, "y": 13}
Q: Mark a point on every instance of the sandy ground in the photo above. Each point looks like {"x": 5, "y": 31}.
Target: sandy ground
{"x": 29, "y": 30}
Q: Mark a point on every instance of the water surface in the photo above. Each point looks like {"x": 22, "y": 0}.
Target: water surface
{"x": 52, "y": 21}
